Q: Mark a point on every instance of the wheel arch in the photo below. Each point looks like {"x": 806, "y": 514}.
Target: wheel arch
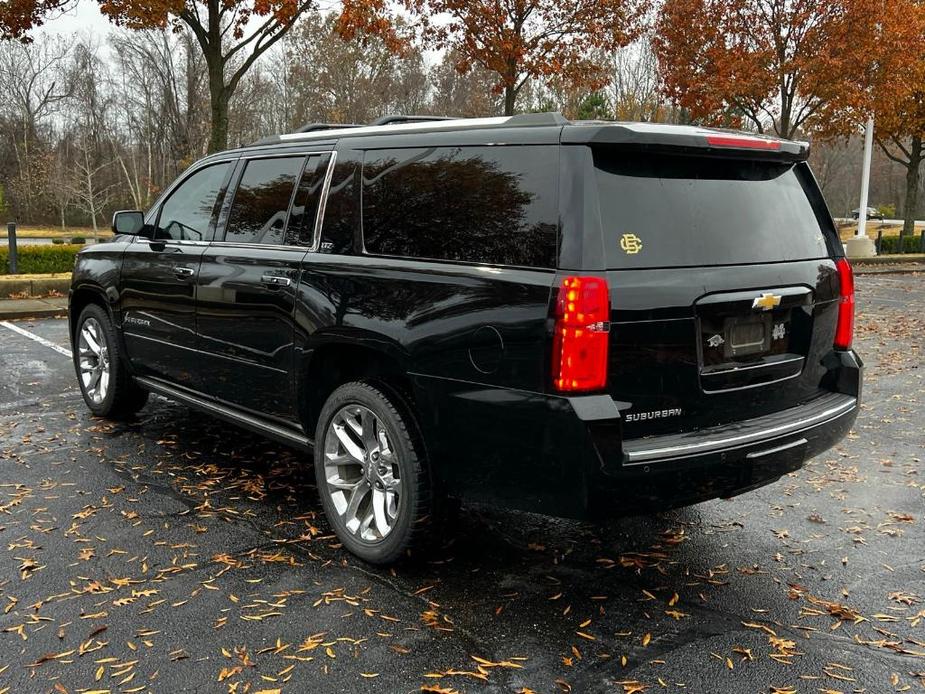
{"x": 336, "y": 360}
{"x": 81, "y": 296}
{"x": 86, "y": 293}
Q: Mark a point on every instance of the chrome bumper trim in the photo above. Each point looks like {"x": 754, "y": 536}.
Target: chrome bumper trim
{"x": 641, "y": 455}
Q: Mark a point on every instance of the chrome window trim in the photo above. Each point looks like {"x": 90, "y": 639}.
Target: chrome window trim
{"x": 322, "y": 204}
{"x": 270, "y": 246}
{"x": 645, "y": 454}
{"x": 171, "y": 242}
{"x": 281, "y": 155}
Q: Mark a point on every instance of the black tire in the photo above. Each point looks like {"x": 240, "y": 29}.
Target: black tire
{"x": 413, "y": 527}
{"x": 122, "y": 397}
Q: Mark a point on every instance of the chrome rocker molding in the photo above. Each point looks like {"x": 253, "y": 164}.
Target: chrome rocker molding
{"x": 826, "y": 409}
{"x": 229, "y": 414}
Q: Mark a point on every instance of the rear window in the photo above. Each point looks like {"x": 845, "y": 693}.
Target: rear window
{"x": 662, "y": 210}
{"x": 494, "y": 205}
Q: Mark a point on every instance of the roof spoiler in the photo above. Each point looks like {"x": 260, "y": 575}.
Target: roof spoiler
{"x": 713, "y": 140}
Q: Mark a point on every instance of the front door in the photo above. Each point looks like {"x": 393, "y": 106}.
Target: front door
{"x": 248, "y": 278}
{"x": 159, "y": 277}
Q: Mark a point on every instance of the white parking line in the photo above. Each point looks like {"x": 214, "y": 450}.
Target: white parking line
{"x": 38, "y": 338}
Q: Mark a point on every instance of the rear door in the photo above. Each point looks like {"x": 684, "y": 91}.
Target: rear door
{"x": 248, "y": 278}
{"x": 722, "y": 285}
{"x": 159, "y": 274}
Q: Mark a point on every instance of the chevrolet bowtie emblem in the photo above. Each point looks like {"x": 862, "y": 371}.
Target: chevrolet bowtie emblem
{"x": 766, "y": 301}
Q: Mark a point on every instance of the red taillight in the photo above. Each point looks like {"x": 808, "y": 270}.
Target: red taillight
{"x": 844, "y": 330}
{"x": 579, "y": 348}
{"x": 738, "y": 141}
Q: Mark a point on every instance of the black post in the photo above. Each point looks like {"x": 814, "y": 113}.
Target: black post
{"x": 11, "y": 241}
{"x": 879, "y": 240}
{"x": 922, "y": 241}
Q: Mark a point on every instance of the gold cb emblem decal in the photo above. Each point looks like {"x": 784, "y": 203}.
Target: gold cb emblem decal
{"x": 631, "y": 244}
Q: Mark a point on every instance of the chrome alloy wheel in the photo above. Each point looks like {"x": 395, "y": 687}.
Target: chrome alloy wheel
{"x": 362, "y": 473}
{"x": 93, "y": 360}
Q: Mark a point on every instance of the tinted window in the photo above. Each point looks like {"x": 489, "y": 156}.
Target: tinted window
{"x": 672, "y": 211}
{"x": 261, "y": 201}
{"x": 186, "y": 214}
{"x": 301, "y": 227}
{"x": 340, "y": 209}
{"x": 492, "y": 205}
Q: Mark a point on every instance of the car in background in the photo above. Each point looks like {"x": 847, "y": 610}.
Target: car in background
{"x": 872, "y": 213}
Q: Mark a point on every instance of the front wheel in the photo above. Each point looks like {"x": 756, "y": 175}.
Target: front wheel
{"x": 102, "y": 371}
{"x": 371, "y": 472}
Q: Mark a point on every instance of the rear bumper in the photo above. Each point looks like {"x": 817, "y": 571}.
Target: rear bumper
{"x": 566, "y": 455}
{"x": 665, "y": 472}
{"x": 661, "y": 472}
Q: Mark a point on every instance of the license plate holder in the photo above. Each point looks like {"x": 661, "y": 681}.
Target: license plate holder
{"x": 746, "y": 335}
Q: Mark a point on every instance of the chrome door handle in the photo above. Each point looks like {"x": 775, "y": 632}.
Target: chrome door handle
{"x": 275, "y": 281}
{"x": 184, "y": 272}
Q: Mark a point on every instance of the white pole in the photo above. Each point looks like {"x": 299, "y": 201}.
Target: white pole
{"x": 865, "y": 177}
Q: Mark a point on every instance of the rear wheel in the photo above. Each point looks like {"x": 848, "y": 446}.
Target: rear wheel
{"x": 371, "y": 473}
{"x": 102, "y": 371}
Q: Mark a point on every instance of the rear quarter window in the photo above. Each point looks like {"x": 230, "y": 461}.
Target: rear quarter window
{"x": 661, "y": 210}
{"x": 494, "y": 205}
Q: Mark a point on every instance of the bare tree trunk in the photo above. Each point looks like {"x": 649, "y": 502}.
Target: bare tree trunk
{"x": 912, "y": 187}
{"x": 510, "y": 97}
{"x": 218, "y": 138}
{"x": 91, "y": 193}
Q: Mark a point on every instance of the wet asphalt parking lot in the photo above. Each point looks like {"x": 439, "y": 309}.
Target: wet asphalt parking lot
{"x": 177, "y": 553}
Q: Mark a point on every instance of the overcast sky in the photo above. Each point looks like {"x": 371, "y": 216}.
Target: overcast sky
{"x": 85, "y": 18}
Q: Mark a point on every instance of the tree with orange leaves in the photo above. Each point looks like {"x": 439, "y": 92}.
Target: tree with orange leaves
{"x": 774, "y": 65}
{"x": 232, "y": 35}
{"x": 895, "y": 85}
{"x": 516, "y": 40}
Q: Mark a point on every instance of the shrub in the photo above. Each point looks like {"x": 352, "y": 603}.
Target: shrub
{"x": 78, "y": 240}
{"x": 910, "y": 244}
{"x": 40, "y": 259}
{"x": 887, "y": 210}
{"x": 58, "y": 242}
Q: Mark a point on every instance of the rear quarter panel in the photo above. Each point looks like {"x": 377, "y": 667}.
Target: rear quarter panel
{"x": 472, "y": 339}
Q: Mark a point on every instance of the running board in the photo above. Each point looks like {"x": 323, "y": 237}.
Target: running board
{"x": 228, "y": 414}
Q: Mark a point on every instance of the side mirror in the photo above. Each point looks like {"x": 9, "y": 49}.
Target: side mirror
{"x": 127, "y": 222}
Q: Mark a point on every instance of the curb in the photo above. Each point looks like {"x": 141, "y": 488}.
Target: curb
{"x": 34, "y": 314}
{"x": 903, "y": 271}
{"x": 893, "y": 259}
{"x": 36, "y": 287}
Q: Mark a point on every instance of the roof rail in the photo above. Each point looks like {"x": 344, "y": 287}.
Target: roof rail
{"x": 547, "y": 118}
{"x": 311, "y": 127}
{"x": 397, "y": 118}
{"x": 407, "y": 124}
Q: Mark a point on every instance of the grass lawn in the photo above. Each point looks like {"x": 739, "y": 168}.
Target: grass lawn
{"x": 847, "y": 229}
{"x": 29, "y": 231}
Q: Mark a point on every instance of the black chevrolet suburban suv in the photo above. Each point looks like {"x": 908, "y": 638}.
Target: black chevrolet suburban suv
{"x": 575, "y": 318}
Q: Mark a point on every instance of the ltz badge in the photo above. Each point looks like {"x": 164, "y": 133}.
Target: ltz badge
{"x": 631, "y": 244}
